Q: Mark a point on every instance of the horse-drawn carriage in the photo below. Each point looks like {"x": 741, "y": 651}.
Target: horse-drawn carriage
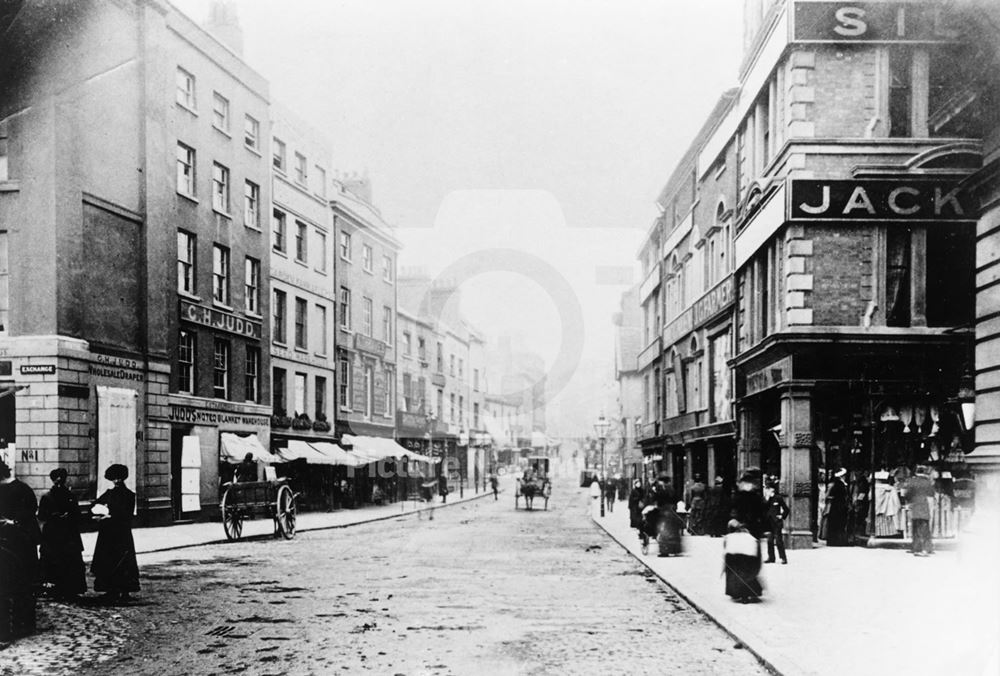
{"x": 258, "y": 499}
{"x": 534, "y": 483}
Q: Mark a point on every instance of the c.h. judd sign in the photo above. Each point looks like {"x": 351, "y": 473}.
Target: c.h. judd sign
{"x": 878, "y": 200}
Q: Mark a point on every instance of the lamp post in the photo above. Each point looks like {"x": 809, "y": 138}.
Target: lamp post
{"x": 601, "y": 428}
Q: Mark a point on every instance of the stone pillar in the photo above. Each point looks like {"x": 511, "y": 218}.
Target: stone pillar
{"x": 796, "y": 442}
{"x": 710, "y": 470}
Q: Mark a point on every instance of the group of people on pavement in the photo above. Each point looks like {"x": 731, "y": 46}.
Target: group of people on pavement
{"x": 41, "y": 548}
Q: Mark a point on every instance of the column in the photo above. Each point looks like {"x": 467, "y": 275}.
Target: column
{"x": 710, "y": 470}
{"x": 796, "y": 442}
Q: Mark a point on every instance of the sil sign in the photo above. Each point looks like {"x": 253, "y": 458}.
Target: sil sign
{"x": 873, "y": 22}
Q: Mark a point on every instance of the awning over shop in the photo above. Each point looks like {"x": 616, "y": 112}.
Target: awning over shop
{"x": 381, "y": 448}
{"x": 539, "y": 440}
{"x": 233, "y": 449}
{"x": 338, "y": 455}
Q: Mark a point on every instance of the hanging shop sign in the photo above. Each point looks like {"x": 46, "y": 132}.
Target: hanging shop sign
{"x": 217, "y": 319}
{"x": 769, "y": 376}
{"x": 369, "y": 345}
{"x": 417, "y": 421}
{"x": 879, "y": 199}
{"x": 873, "y": 22}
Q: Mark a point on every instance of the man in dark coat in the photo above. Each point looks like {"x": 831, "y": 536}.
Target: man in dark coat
{"x": 115, "y": 569}
{"x": 777, "y": 512}
{"x": 62, "y": 548}
{"x": 247, "y": 470}
{"x": 918, "y": 491}
{"x": 19, "y": 536}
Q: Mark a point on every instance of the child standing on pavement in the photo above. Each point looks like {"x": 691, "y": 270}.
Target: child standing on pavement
{"x": 777, "y": 512}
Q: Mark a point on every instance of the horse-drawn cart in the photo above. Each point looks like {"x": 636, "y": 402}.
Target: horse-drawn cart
{"x": 534, "y": 483}
{"x": 258, "y": 499}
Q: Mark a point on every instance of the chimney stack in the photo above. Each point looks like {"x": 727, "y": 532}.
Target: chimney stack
{"x": 224, "y": 23}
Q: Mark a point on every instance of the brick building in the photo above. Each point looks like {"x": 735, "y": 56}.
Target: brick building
{"x": 301, "y": 284}
{"x": 834, "y": 181}
{"x": 129, "y": 135}
{"x": 853, "y": 243}
{"x": 365, "y": 281}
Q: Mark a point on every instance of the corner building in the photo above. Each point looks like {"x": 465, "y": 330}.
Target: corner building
{"x": 125, "y": 325}
{"x": 854, "y": 241}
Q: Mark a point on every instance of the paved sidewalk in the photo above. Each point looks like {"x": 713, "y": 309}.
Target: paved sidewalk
{"x": 849, "y": 610}
{"x": 165, "y": 538}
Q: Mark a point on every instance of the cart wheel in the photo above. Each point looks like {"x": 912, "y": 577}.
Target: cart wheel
{"x": 232, "y": 520}
{"x": 285, "y": 512}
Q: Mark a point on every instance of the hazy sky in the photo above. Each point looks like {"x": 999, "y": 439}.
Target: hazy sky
{"x": 545, "y": 126}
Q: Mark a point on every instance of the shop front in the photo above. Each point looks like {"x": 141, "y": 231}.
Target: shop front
{"x": 207, "y": 438}
{"x": 876, "y": 410}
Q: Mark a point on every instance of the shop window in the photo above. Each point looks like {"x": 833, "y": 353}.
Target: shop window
{"x": 897, "y": 276}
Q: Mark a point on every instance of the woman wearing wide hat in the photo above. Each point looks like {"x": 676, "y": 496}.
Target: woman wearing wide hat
{"x": 116, "y": 572}
{"x": 62, "y": 548}
{"x": 836, "y": 511}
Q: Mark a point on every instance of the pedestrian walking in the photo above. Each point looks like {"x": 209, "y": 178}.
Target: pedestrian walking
{"x": 635, "y": 504}
{"x": 595, "y": 496}
{"x": 443, "y": 486}
{"x": 836, "y": 511}
{"x": 610, "y": 491}
{"x": 495, "y": 486}
{"x": 918, "y": 492}
{"x": 748, "y": 504}
{"x": 741, "y": 563}
{"x": 19, "y": 536}
{"x": 696, "y": 503}
{"x": 61, "y": 558}
{"x": 777, "y": 512}
{"x": 115, "y": 569}
{"x": 717, "y": 508}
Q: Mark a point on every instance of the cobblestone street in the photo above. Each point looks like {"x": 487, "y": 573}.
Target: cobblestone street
{"x": 482, "y": 588}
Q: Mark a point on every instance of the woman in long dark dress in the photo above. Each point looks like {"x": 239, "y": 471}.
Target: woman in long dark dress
{"x": 635, "y": 505}
{"x": 836, "y": 511}
{"x": 115, "y": 569}
{"x": 62, "y": 548}
{"x": 19, "y": 537}
{"x": 742, "y": 564}
{"x": 670, "y": 525}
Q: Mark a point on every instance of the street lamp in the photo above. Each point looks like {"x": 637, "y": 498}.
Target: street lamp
{"x": 601, "y": 427}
